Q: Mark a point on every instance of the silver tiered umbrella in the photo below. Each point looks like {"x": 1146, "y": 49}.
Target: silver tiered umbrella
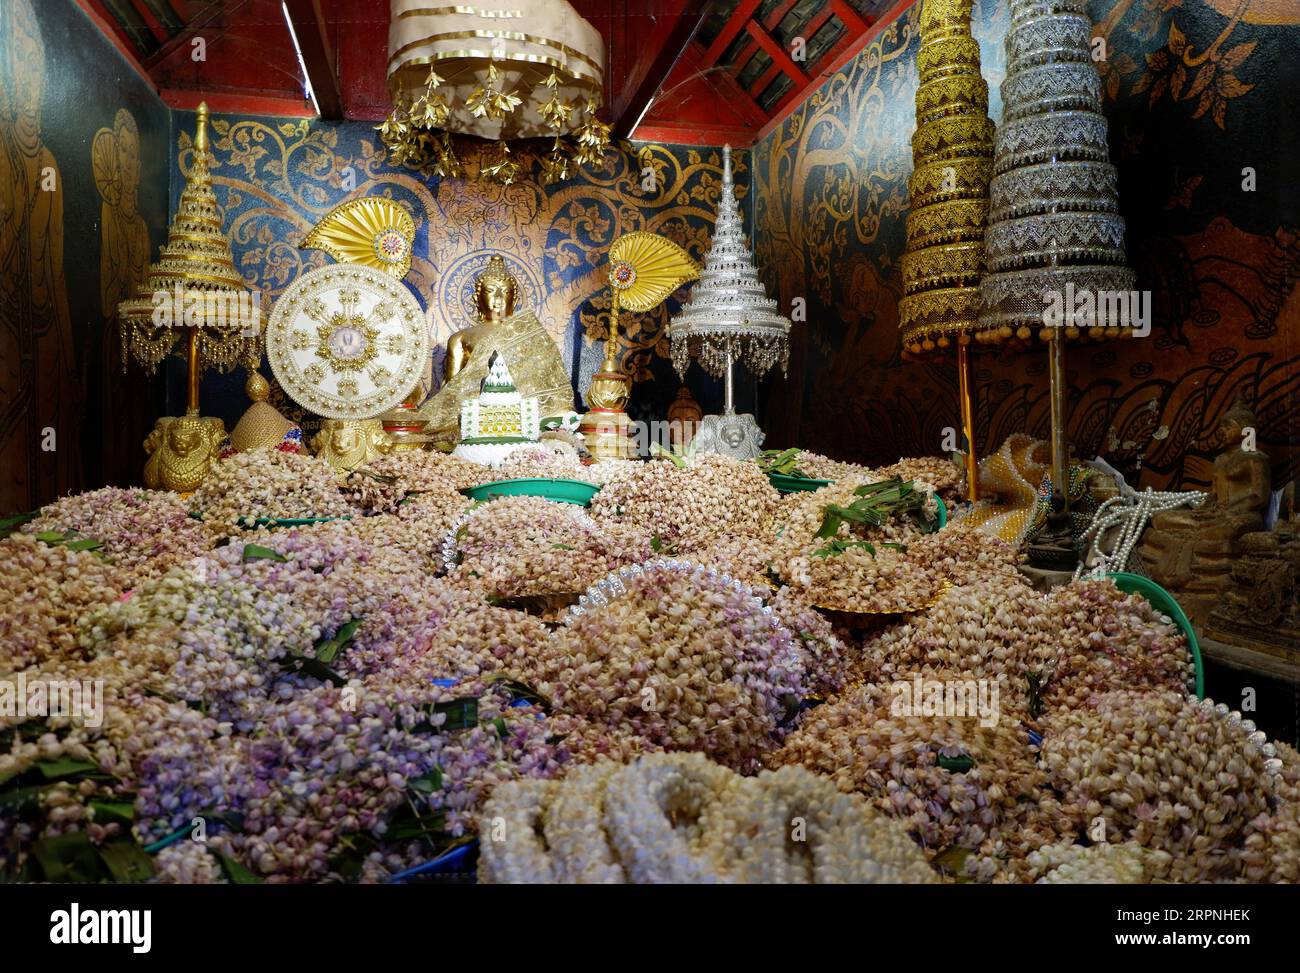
{"x": 729, "y": 318}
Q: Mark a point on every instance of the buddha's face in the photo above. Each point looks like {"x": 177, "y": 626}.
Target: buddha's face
{"x": 494, "y": 300}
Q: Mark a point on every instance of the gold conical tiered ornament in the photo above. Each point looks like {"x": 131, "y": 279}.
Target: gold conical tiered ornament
{"x": 192, "y": 290}
{"x": 643, "y": 270}
{"x": 952, "y": 156}
{"x": 1054, "y": 247}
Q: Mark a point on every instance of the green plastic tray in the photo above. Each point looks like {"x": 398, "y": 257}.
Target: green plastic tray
{"x": 563, "y": 491}
{"x": 1164, "y": 603}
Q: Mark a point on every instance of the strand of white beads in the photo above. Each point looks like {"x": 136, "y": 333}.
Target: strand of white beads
{"x": 1130, "y": 512}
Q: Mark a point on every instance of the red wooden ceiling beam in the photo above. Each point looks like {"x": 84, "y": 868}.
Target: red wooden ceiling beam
{"x": 739, "y": 18}
{"x": 671, "y": 49}
{"x": 852, "y": 20}
{"x": 183, "y": 38}
{"x": 309, "y": 27}
{"x": 849, "y": 52}
{"x": 777, "y": 53}
{"x": 182, "y": 11}
{"x": 151, "y": 21}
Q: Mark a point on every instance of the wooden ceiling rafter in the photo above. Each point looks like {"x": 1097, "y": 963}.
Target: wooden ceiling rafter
{"x": 308, "y": 23}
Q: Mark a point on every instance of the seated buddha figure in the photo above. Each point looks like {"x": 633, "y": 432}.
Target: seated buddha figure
{"x": 1190, "y": 551}
{"x": 518, "y": 335}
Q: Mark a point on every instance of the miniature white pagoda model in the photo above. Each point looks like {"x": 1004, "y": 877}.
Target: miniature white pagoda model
{"x": 499, "y": 421}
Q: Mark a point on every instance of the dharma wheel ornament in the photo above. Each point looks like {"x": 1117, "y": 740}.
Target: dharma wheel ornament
{"x": 1054, "y": 247}
{"x": 643, "y": 270}
{"x": 729, "y": 317}
{"x": 527, "y": 70}
{"x": 952, "y": 159}
{"x": 192, "y": 290}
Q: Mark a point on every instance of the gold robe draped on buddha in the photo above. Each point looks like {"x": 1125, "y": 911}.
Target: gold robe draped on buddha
{"x": 535, "y": 363}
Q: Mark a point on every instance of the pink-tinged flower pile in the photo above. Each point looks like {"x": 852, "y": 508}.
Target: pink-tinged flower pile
{"x": 421, "y": 470}
{"x": 950, "y": 780}
{"x": 269, "y": 483}
{"x": 521, "y": 546}
{"x": 144, "y": 532}
{"x": 1165, "y": 772}
{"x": 684, "y": 658}
{"x": 947, "y": 477}
{"x": 541, "y": 462}
{"x": 688, "y": 506}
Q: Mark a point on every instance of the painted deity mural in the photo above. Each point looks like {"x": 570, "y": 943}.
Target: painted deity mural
{"x": 276, "y": 178}
{"x": 1203, "y": 100}
{"x": 68, "y": 417}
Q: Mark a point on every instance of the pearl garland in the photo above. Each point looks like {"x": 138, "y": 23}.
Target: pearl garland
{"x": 1132, "y": 510}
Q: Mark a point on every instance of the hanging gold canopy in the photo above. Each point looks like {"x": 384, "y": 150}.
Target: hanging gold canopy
{"x": 498, "y": 71}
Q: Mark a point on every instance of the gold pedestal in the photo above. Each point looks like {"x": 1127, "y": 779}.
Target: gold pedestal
{"x": 606, "y": 428}
{"x": 607, "y": 434}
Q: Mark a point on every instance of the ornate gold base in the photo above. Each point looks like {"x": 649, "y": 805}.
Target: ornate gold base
{"x": 181, "y": 451}
{"x": 405, "y": 429}
{"x": 606, "y": 433}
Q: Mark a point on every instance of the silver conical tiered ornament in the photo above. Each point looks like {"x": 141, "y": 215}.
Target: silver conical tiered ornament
{"x": 729, "y": 318}
{"x": 1054, "y": 247}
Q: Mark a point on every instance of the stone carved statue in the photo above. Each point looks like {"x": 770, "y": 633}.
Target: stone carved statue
{"x": 349, "y": 443}
{"x": 535, "y": 359}
{"x": 181, "y": 451}
{"x": 1191, "y": 551}
{"x": 1260, "y": 606}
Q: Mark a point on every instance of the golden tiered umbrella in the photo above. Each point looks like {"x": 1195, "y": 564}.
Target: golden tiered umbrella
{"x": 193, "y": 290}
{"x": 952, "y": 156}
{"x": 643, "y": 270}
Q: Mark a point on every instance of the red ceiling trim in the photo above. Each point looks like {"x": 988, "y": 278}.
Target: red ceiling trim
{"x": 238, "y": 103}
{"x": 851, "y": 19}
{"x": 671, "y": 51}
{"x": 193, "y": 30}
{"x": 776, "y": 52}
{"x": 182, "y": 11}
{"x": 151, "y": 21}
{"x": 739, "y": 18}
{"x": 710, "y": 136}
{"x": 112, "y": 31}
{"x": 874, "y": 29}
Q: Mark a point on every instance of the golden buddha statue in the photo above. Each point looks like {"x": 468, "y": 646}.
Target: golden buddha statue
{"x": 262, "y": 426}
{"x": 534, "y": 358}
{"x": 181, "y": 451}
{"x": 347, "y": 444}
{"x": 1190, "y": 551}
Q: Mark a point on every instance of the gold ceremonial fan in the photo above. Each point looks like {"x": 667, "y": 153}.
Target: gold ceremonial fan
{"x": 373, "y": 231}
{"x": 643, "y": 270}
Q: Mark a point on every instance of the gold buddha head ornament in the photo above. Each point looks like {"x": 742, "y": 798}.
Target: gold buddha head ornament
{"x": 348, "y": 443}
{"x": 181, "y": 451}
{"x": 496, "y": 292}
